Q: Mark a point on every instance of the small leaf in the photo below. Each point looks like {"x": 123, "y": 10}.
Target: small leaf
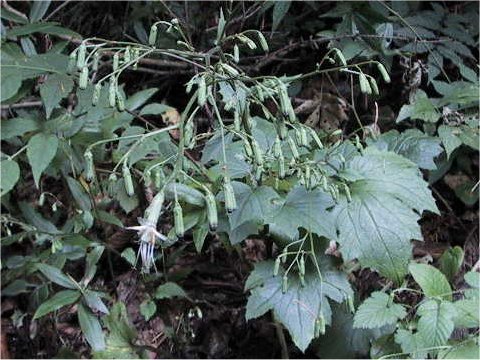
{"x": 431, "y": 280}
{"x": 280, "y": 9}
{"x": 56, "y": 275}
{"x": 155, "y": 109}
{"x": 436, "y": 322}
{"x": 377, "y": 311}
{"x": 129, "y": 255}
{"x": 451, "y": 261}
{"x": 91, "y": 260}
{"x": 79, "y": 194}
{"x": 57, "y": 301}
{"x": 40, "y": 152}
{"x": 54, "y": 89}
{"x": 421, "y": 108}
{"x": 94, "y": 302}
{"x": 10, "y": 82}
{"x": 91, "y": 328}
{"x": 108, "y": 218}
{"x": 169, "y": 290}
{"x": 148, "y": 309}
{"x": 10, "y": 173}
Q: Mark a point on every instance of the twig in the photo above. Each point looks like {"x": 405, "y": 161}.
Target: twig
{"x": 25, "y": 104}
{"x": 62, "y": 5}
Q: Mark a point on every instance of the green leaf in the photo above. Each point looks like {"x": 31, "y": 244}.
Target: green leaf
{"x": 108, "y": 218}
{"x": 139, "y": 98}
{"x": 421, "y": 108}
{"x": 473, "y": 279}
{"x": 377, "y": 311}
{"x": 303, "y": 208}
{"x": 280, "y": 9}
{"x": 466, "y": 313}
{"x": 462, "y": 350}
{"x": 154, "y": 109}
{"x": 10, "y": 173}
{"x": 257, "y": 204}
{"x": 40, "y": 152}
{"x": 94, "y": 301}
{"x": 431, "y": 280}
{"x": 79, "y": 194}
{"x": 185, "y": 194}
{"x": 57, "y": 276}
{"x": 57, "y": 301}
{"x": 43, "y": 27}
{"x": 35, "y": 219}
{"x": 17, "y": 127}
{"x": 54, "y": 89}
{"x": 297, "y": 308}
{"x": 377, "y": 225}
{"x": 121, "y": 337}
{"x": 436, "y": 322}
{"x": 10, "y": 83}
{"x": 148, "y": 309}
{"x": 412, "y": 144}
{"x": 91, "y": 261}
{"x": 451, "y": 261}
{"x": 128, "y": 203}
{"x": 412, "y": 344}
{"x": 199, "y": 234}
{"x": 91, "y": 328}
{"x": 169, "y": 290}
{"x": 449, "y": 137}
{"x": 129, "y": 255}
{"x": 38, "y": 10}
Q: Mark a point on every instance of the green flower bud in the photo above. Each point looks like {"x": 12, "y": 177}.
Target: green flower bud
{"x": 383, "y": 72}
{"x": 83, "y": 80}
{"x": 152, "y": 38}
{"x": 127, "y": 178}
{"x": 178, "y": 220}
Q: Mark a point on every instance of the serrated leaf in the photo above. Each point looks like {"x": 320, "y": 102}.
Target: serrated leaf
{"x": 466, "y": 313}
{"x": 451, "y": 261}
{"x": 436, "y": 322}
{"x": 421, "y": 108}
{"x": 257, "y": 204}
{"x": 297, "y": 308}
{"x": 169, "y": 290}
{"x": 91, "y": 328}
{"x": 306, "y": 209}
{"x": 40, "y": 152}
{"x": 412, "y": 144}
{"x": 410, "y": 343}
{"x": 463, "y": 350}
{"x": 56, "y": 275}
{"x": 378, "y": 310}
{"x": 377, "y": 225}
{"x": 57, "y": 301}
{"x": 431, "y": 280}
{"x": 53, "y": 90}
{"x": 148, "y": 309}
{"x": 10, "y": 173}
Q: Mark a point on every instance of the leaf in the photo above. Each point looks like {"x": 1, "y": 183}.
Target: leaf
{"x": 450, "y": 140}
{"x": 255, "y": 204}
{"x": 94, "y": 302}
{"x": 54, "y": 89}
{"x": 169, "y": 290}
{"x": 129, "y": 255}
{"x": 436, "y": 322}
{"x": 199, "y": 234}
{"x": 128, "y": 203}
{"x": 121, "y": 337}
{"x": 139, "y": 98}
{"x": 463, "y": 350}
{"x": 108, "y": 218}
{"x": 280, "y": 9}
{"x": 185, "y": 194}
{"x": 57, "y": 301}
{"x": 412, "y": 144}
{"x": 451, "y": 261}
{"x": 377, "y": 311}
{"x": 91, "y": 328}
{"x": 10, "y": 83}
{"x": 412, "y": 344}
{"x": 421, "y": 108}
{"x": 303, "y": 208}
{"x": 466, "y": 313}
{"x": 297, "y": 308}
{"x": 43, "y": 27}
{"x": 91, "y": 261}
{"x": 10, "y": 173}
{"x": 148, "y": 309}
{"x": 40, "y": 152}
{"x": 38, "y": 10}
{"x": 377, "y": 225}
{"x": 57, "y": 276}
{"x": 154, "y": 109}
{"x": 81, "y": 197}
{"x": 17, "y": 127}
{"x": 431, "y": 280}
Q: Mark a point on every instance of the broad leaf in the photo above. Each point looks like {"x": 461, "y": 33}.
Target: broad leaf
{"x": 10, "y": 173}
{"x": 169, "y": 290}
{"x": 40, "y": 152}
{"x": 54, "y": 89}
{"x": 410, "y": 343}
{"x": 297, "y": 308}
{"x": 306, "y": 209}
{"x": 17, "y": 127}
{"x": 57, "y": 301}
{"x": 147, "y": 309}
{"x": 431, "y": 280}
{"x": 436, "y": 322}
{"x": 421, "y": 108}
{"x": 56, "y": 275}
{"x": 462, "y": 350}
{"x": 412, "y": 144}
{"x": 451, "y": 261}
{"x": 377, "y": 311}
{"x": 91, "y": 328}
{"x": 377, "y": 225}
{"x": 466, "y": 313}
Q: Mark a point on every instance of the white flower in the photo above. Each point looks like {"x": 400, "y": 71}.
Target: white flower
{"x": 148, "y": 235}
